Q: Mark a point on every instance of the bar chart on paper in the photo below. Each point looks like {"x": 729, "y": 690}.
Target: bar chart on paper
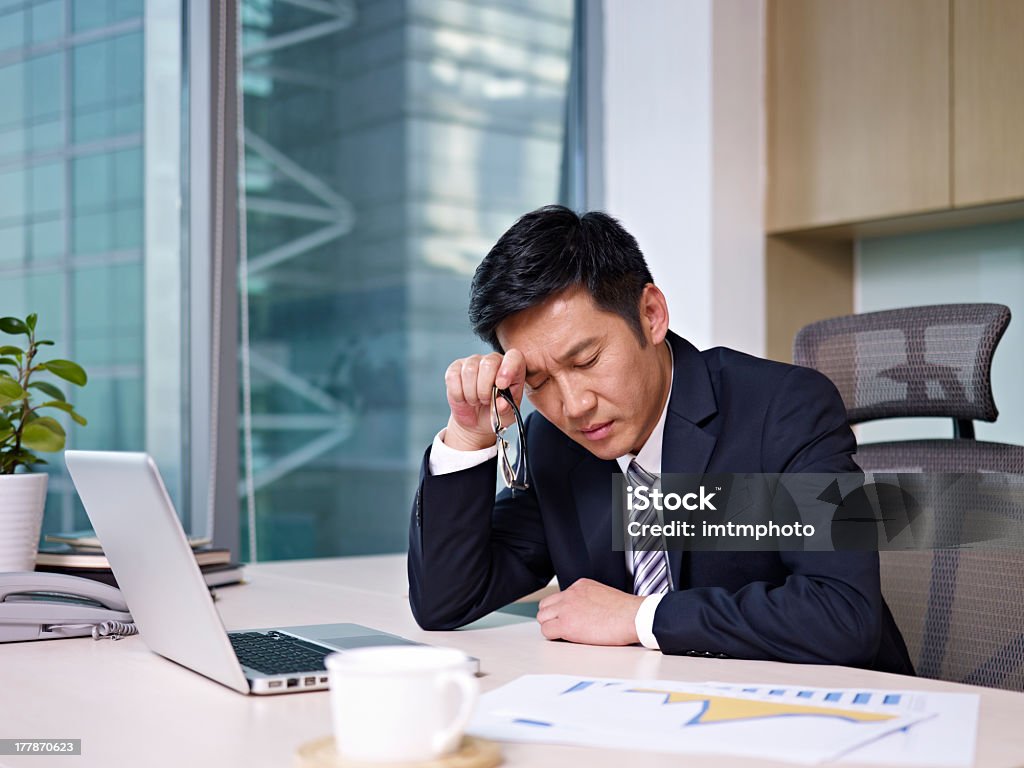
{"x": 807, "y": 725}
{"x": 946, "y": 738}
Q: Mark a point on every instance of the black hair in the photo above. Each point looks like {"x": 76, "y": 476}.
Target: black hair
{"x": 550, "y": 250}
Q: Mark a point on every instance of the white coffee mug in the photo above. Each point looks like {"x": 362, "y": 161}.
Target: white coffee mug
{"x": 397, "y": 703}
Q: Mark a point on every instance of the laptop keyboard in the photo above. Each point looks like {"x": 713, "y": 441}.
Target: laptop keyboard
{"x": 276, "y": 654}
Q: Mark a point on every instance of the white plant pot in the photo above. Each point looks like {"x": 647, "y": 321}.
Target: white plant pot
{"x": 22, "y": 499}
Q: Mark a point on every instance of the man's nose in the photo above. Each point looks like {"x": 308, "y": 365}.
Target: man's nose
{"x": 577, "y": 401}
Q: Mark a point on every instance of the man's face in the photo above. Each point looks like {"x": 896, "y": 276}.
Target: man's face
{"x": 588, "y": 374}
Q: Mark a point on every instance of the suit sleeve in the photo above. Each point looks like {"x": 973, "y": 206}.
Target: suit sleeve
{"x": 829, "y": 610}
{"x": 469, "y": 553}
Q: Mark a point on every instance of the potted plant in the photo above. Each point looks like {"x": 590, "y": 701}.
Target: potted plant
{"x": 26, "y": 429}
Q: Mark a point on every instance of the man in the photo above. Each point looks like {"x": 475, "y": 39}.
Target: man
{"x": 578, "y": 325}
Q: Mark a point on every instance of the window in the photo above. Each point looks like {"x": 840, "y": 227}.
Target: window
{"x": 388, "y": 145}
{"x": 73, "y": 80}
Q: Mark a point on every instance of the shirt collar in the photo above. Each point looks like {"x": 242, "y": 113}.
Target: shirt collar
{"x": 650, "y": 453}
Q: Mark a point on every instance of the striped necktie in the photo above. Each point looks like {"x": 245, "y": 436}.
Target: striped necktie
{"x": 650, "y": 561}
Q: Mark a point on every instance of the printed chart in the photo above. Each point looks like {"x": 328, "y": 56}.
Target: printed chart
{"x": 807, "y": 725}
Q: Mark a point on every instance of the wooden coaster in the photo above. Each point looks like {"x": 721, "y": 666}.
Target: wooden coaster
{"x": 474, "y": 753}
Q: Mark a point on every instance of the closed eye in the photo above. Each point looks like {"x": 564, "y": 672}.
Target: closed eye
{"x": 589, "y": 363}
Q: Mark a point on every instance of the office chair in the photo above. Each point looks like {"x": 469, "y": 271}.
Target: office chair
{"x": 961, "y": 611}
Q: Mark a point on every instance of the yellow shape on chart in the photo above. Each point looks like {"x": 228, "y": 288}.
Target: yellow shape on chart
{"x": 722, "y": 709}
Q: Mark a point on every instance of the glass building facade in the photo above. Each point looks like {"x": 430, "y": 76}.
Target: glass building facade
{"x": 71, "y": 207}
{"x": 387, "y": 144}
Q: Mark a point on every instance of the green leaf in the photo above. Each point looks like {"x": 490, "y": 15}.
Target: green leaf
{"x": 48, "y": 388}
{"x": 67, "y": 408}
{"x": 9, "y": 350}
{"x": 67, "y": 370}
{"x": 61, "y": 404}
{"x": 44, "y": 343}
{"x": 8, "y": 361}
{"x": 13, "y": 325}
{"x": 43, "y": 434}
{"x": 30, "y": 321}
{"x": 10, "y": 391}
{"x": 52, "y": 424}
{"x": 5, "y": 423}
{"x": 9, "y": 461}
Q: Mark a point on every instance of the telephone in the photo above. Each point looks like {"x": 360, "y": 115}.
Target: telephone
{"x": 46, "y": 606}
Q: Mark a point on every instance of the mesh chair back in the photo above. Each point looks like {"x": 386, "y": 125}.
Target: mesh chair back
{"x": 961, "y": 611}
{"x": 919, "y": 361}
{"x": 941, "y": 456}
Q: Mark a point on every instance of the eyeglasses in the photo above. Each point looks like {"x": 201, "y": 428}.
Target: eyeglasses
{"x": 512, "y": 447}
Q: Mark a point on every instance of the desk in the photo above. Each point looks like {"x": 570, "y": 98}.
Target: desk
{"x": 130, "y": 706}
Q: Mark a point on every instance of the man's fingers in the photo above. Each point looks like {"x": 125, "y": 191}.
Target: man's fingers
{"x": 552, "y": 629}
{"x": 512, "y": 373}
{"x": 485, "y": 380}
{"x": 470, "y": 382}
{"x": 453, "y": 383}
{"x": 470, "y": 368}
{"x": 550, "y": 601}
{"x": 546, "y": 614}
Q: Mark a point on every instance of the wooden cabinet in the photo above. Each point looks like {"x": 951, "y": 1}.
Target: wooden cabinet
{"x": 806, "y": 279}
{"x": 988, "y": 101}
{"x": 880, "y": 109}
{"x": 884, "y": 117}
{"x": 858, "y": 110}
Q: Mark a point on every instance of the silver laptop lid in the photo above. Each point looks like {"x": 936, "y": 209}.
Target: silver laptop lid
{"x": 149, "y": 554}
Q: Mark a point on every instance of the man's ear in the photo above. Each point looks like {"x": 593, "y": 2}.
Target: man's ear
{"x": 653, "y": 314}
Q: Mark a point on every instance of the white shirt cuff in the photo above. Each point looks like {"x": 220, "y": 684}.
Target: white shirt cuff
{"x": 644, "y": 621}
{"x": 444, "y": 459}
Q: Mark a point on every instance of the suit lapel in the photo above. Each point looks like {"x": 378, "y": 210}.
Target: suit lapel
{"x": 686, "y": 446}
{"x": 591, "y": 481}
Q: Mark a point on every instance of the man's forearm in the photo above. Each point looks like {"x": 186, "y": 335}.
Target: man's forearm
{"x": 465, "y": 558}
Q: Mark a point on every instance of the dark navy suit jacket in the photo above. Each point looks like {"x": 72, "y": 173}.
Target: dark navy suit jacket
{"x": 470, "y": 554}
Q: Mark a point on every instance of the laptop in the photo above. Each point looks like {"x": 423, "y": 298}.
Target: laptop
{"x": 170, "y": 603}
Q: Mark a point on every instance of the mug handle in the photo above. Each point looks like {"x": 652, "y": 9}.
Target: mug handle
{"x": 468, "y": 691}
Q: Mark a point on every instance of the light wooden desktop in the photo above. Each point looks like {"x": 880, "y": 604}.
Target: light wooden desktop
{"x": 130, "y": 706}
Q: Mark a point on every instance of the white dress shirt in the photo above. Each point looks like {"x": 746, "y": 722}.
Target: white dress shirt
{"x": 444, "y": 459}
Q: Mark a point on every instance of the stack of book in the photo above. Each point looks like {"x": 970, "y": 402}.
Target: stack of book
{"x": 79, "y": 553}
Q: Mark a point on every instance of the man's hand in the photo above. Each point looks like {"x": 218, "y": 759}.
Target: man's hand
{"x": 470, "y": 382}
{"x": 592, "y": 613}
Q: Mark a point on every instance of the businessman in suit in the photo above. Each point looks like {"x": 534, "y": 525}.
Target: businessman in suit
{"x": 578, "y": 326}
